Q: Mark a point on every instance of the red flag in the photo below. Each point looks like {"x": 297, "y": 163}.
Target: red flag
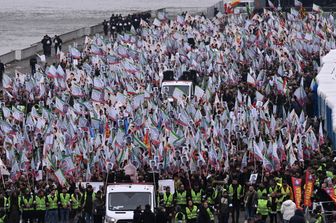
{"x": 330, "y": 191}
{"x": 309, "y": 188}
{"x": 146, "y": 142}
{"x": 296, "y": 182}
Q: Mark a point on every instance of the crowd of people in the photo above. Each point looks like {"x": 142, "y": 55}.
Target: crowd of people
{"x": 119, "y": 24}
{"x": 248, "y": 137}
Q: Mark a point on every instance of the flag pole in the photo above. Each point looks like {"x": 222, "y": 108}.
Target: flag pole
{"x": 2, "y": 178}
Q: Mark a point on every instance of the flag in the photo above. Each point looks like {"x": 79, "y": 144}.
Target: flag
{"x": 98, "y": 83}
{"x": 60, "y": 177}
{"x": 267, "y": 165}
{"x": 199, "y": 92}
{"x": 17, "y": 114}
{"x": 95, "y": 50}
{"x": 76, "y": 91}
{"x": 257, "y": 152}
{"x": 251, "y": 80}
{"x": 316, "y": 8}
{"x": 97, "y": 96}
{"x": 51, "y": 72}
{"x": 60, "y": 105}
{"x": 296, "y": 182}
{"x": 234, "y": 3}
{"x": 321, "y": 136}
{"x": 331, "y": 192}
{"x": 300, "y": 95}
{"x": 6, "y": 81}
{"x": 147, "y": 143}
{"x": 3, "y": 169}
{"x": 75, "y": 53}
{"x": 270, "y": 4}
{"x": 309, "y": 188}
{"x": 112, "y": 59}
{"x": 162, "y": 16}
{"x": 297, "y": 3}
{"x": 60, "y": 72}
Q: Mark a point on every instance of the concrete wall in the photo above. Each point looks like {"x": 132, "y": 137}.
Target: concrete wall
{"x": 8, "y": 57}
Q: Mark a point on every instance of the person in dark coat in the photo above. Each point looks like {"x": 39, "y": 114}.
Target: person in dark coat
{"x": 14, "y": 210}
{"x": 98, "y": 208}
{"x": 46, "y": 42}
{"x": 58, "y": 43}
{"x": 2, "y": 70}
{"x": 137, "y": 215}
{"x": 88, "y": 203}
{"x": 203, "y": 215}
{"x": 298, "y": 217}
{"x": 161, "y": 215}
{"x": 105, "y": 27}
{"x": 32, "y": 63}
{"x": 147, "y": 216}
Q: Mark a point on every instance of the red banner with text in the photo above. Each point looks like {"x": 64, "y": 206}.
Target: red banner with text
{"x": 309, "y": 188}
{"x": 297, "y": 191}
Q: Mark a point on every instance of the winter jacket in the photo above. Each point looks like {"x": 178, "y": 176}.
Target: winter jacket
{"x": 288, "y": 208}
{"x": 148, "y": 217}
{"x": 298, "y": 217}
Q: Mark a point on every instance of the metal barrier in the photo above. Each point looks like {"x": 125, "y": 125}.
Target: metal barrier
{"x": 327, "y": 215}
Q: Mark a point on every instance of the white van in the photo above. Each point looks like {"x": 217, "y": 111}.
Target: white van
{"x": 168, "y": 88}
{"x": 123, "y": 199}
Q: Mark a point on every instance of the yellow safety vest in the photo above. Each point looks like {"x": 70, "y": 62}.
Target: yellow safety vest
{"x": 181, "y": 198}
{"x": 168, "y": 200}
{"x": 191, "y": 214}
{"x": 180, "y": 221}
{"x": 211, "y": 215}
{"x": 196, "y": 197}
{"x": 262, "y": 207}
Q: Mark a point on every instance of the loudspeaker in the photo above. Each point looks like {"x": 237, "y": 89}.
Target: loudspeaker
{"x": 185, "y": 76}
{"x": 168, "y": 75}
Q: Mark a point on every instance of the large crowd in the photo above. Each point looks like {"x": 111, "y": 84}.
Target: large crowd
{"x": 248, "y": 138}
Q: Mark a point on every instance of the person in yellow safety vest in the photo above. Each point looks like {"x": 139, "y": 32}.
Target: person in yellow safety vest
{"x": 211, "y": 194}
{"x": 167, "y": 201}
{"x": 285, "y": 190}
{"x": 168, "y": 198}
{"x": 205, "y": 214}
{"x": 181, "y": 197}
{"x": 196, "y": 195}
{"x": 191, "y": 212}
{"x": 27, "y": 202}
{"x": 180, "y": 216}
{"x": 3, "y": 208}
{"x": 273, "y": 207}
{"x": 262, "y": 191}
{"x": 235, "y": 194}
{"x": 262, "y": 207}
{"x": 41, "y": 207}
{"x": 52, "y": 203}
{"x": 64, "y": 203}
{"x": 75, "y": 202}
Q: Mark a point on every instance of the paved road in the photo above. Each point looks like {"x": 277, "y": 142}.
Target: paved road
{"x": 24, "y": 67}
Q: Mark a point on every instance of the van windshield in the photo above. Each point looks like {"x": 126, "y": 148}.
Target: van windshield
{"x": 128, "y": 201}
{"x": 170, "y": 89}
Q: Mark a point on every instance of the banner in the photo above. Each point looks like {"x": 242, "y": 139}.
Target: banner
{"x": 166, "y": 183}
{"x": 330, "y": 191}
{"x": 296, "y": 182}
{"x": 309, "y": 188}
